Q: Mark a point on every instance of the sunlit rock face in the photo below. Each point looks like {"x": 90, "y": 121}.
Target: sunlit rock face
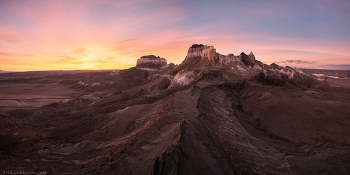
{"x": 244, "y": 65}
{"x": 151, "y": 61}
{"x": 208, "y": 53}
{"x": 204, "y": 52}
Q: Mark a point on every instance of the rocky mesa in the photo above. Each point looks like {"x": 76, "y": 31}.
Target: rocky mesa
{"x": 211, "y": 57}
{"x": 151, "y": 62}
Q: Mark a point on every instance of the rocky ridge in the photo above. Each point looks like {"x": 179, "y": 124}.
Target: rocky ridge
{"x": 209, "y": 54}
{"x": 202, "y": 58}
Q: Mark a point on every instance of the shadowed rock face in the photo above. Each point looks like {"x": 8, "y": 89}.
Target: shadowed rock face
{"x": 248, "y": 60}
{"x": 271, "y": 79}
{"x": 151, "y": 62}
{"x": 196, "y": 45}
{"x": 212, "y": 114}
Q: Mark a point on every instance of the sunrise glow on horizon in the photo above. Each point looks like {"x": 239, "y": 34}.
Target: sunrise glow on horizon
{"x": 106, "y": 34}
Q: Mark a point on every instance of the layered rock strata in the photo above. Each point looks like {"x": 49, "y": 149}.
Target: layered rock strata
{"x": 151, "y": 62}
{"x": 208, "y": 53}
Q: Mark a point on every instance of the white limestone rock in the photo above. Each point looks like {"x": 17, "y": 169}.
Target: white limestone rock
{"x": 82, "y": 83}
{"x": 183, "y": 78}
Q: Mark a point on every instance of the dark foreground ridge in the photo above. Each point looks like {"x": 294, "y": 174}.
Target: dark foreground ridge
{"x": 211, "y": 114}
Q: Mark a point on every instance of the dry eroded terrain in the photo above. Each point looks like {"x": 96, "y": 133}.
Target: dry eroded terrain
{"x": 128, "y": 123}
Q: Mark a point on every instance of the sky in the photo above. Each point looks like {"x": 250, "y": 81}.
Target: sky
{"x": 113, "y": 34}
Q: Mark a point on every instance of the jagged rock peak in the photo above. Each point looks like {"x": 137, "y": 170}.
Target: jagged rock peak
{"x": 251, "y": 56}
{"x": 151, "y": 61}
{"x": 248, "y": 60}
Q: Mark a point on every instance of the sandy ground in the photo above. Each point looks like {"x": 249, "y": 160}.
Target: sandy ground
{"x": 33, "y": 95}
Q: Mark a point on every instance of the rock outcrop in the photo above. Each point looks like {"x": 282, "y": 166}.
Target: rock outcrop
{"x": 243, "y": 66}
{"x": 183, "y": 78}
{"x": 203, "y": 58}
{"x": 248, "y": 60}
{"x": 151, "y": 62}
{"x": 207, "y": 55}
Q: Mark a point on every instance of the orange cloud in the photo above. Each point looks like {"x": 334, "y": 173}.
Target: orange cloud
{"x": 79, "y": 51}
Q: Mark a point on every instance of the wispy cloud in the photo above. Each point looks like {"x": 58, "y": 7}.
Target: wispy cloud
{"x": 297, "y": 62}
{"x": 79, "y": 51}
{"x": 68, "y": 59}
{"x": 338, "y": 66}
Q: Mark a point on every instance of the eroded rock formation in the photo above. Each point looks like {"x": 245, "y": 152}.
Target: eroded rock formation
{"x": 209, "y": 55}
{"x": 183, "y": 78}
{"x": 151, "y": 62}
